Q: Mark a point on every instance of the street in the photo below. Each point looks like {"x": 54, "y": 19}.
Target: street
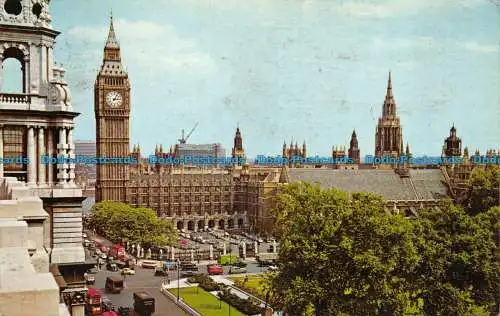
{"x": 142, "y": 281}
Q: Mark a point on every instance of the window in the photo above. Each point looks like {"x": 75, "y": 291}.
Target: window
{"x": 13, "y": 147}
{"x": 207, "y": 198}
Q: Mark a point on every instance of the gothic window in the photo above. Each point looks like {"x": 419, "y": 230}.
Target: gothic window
{"x": 186, "y": 198}
{"x": 14, "y": 147}
{"x": 207, "y": 198}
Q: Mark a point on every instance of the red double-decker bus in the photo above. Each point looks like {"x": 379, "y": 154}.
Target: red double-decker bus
{"x": 94, "y": 302}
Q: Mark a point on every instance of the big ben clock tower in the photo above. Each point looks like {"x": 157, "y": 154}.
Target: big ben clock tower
{"x": 112, "y": 112}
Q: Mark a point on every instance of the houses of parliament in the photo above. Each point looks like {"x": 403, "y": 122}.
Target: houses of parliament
{"x": 241, "y": 196}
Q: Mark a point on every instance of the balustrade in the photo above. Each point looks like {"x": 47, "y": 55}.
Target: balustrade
{"x": 15, "y": 98}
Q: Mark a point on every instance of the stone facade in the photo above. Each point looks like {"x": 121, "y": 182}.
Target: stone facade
{"x": 38, "y": 187}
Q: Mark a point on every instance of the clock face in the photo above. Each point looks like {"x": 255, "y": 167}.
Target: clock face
{"x": 114, "y": 99}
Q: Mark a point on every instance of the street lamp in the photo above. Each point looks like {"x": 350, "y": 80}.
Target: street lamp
{"x": 178, "y": 278}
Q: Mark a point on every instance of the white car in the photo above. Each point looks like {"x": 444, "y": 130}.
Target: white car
{"x": 128, "y": 271}
{"x": 272, "y": 268}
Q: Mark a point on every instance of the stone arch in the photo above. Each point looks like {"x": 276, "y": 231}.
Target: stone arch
{"x": 13, "y": 61}
{"x": 240, "y": 223}
{"x": 201, "y": 225}
{"x": 230, "y": 223}
{"x": 221, "y": 224}
{"x": 180, "y": 225}
{"x": 190, "y": 226}
{"x": 211, "y": 223}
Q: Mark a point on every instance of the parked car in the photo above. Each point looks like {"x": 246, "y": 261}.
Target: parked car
{"x": 240, "y": 264}
{"x": 215, "y": 269}
{"x": 272, "y": 268}
{"x": 160, "y": 272}
{"x": 127, "y": 271}
{"x": 94, "y": 270}
{"x": 149, "y": 264}
{"x": 111, "y": 267}
{"x": 237, "y": 270}
{"x": 89, "y": 279}
{"x": 124, "y": 311}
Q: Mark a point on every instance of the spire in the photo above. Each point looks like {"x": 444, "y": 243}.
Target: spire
{"x": 389, "y": 104}
{"x": 408, "y": 150}
{"x": 161, "y": 148}
{"x": 111, "y": 41}
{"x": 353, "y": 134}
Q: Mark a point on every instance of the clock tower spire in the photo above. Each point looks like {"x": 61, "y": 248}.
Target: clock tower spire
{"x": 112, "y": 114}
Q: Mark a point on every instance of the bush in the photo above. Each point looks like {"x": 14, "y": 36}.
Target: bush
{"x": 205, "y": 282}
{"x": 246, "y": 306}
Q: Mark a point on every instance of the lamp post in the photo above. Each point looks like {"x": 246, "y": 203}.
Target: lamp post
{"x": 178, "y": 279}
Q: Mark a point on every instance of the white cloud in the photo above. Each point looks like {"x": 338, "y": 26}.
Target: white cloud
{"x": 149, "y": 45}
{"x": 480, "y": 48}
{"x": 388, "y": 8}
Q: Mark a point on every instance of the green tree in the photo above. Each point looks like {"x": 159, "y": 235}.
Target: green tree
{"x": 459, "y": 271}
{"x": 341, "y": 255}
{"x": 121, "y": 223}
{"x": 484, "y": 189}
{"x": 347, "y": 255}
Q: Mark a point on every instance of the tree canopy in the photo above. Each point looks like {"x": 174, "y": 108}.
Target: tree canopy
{"x": 484, "y": 189}
{"x": 120, "y": 222}
{"x": 347, "y": 255}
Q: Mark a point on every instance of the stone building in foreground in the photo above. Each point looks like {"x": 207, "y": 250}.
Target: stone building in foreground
{"x": 36, "y": 130}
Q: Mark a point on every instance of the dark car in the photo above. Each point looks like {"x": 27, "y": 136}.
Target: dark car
{"x": 240, "y": 264}
{"x": 124, "y": 311}
{"x": 160, "y": 272}
{"x": 106, "y": 304}
{"x": 112, "y": 267}
{"x": 187, "y": 274}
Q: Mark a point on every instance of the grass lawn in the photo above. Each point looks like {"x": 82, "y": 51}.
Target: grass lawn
{"x": 254, "y": 282}
{"x": 204, "y": 302}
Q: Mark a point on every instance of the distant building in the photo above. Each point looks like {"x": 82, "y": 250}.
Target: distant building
{"x": 85, "y": 148}
{"x": 85, "y": 174}
{"x": 199, "y": 150}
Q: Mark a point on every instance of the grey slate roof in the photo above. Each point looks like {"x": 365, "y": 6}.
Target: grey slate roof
{"x": 423, "y": 184}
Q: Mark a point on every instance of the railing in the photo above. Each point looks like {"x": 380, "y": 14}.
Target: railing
{"x": 15, "y": 98}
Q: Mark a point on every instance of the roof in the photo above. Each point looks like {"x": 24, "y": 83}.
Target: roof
{"x": 422, "y": 184}
{"x": 94, "y": 292}
{"x": 115, "y": 278}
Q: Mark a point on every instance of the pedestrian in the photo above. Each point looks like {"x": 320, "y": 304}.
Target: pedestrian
{"x": 168, "y": 280}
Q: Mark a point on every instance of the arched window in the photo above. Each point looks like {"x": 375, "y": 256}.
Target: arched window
{"x": 13, "y": 71}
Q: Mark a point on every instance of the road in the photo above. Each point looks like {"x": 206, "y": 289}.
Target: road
{"x": 142, "y": 281}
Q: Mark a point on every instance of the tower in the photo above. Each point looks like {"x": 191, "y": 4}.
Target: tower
{"x": 238, "y": 152}
{"x": 353, "y": 148}
{"x": 112, "y": 113}
{"x": 453, "y": 144}
{"x": 389, "y": 134}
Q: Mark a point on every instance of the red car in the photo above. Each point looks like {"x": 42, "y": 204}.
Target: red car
{"x": 215, "y": 269}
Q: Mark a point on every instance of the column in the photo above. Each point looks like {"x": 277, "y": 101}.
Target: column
{"x": 62, "y": 172}
{"x": 1, "y": 140}
{"x": 244, "y": 250}
{"x": 50, "y": 154}
{"x": 172, "y": 253}
{"x": 256, "y": 246}
{"x": 211, "y": 252}
{"x": 71, "y": 155}
{"x": 31, "y": 156}
{"x": 41, "y": 153}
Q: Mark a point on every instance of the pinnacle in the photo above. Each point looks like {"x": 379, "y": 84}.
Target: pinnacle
{"x": 112, "y": 41}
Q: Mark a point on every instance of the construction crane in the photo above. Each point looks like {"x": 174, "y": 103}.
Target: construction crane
{"x": 183, "y": 139}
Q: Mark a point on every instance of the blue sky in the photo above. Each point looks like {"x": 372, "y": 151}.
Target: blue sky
{"x": 309, "y": 70}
